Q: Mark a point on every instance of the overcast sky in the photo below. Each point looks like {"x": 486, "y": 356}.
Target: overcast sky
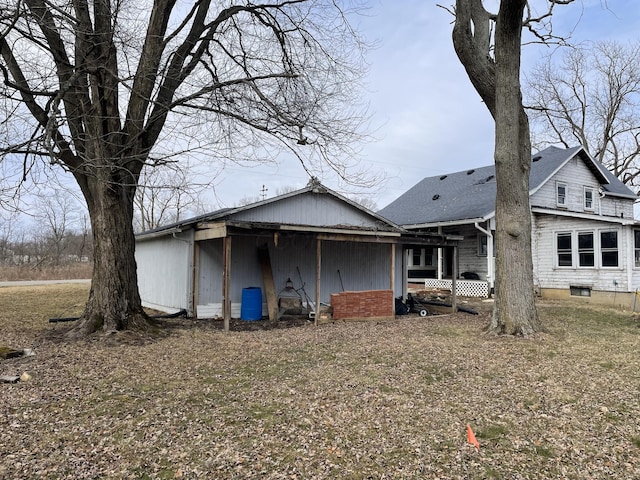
{"x": 429, "y": 118}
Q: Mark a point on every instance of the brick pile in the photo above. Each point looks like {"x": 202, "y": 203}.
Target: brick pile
{"x": 363, "y": 304}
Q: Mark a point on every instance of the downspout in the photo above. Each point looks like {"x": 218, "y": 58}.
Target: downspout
{"x": 601, "y": 195}
{"x": 489, "y": 254}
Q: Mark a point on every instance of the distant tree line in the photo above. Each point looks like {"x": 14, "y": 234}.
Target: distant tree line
{"x": 56, "y": 234}
{"x": 39, "y": 250}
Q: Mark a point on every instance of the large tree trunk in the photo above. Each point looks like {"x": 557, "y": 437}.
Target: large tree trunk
{"x": 498, "y": 83}
{"x": 515, "y": 310}
{"x": 114, "y": 301}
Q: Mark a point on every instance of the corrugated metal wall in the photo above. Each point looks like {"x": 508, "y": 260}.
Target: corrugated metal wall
{"x": 363, "y": 266}
{"x": 165, "y": 271}
{"x": 309, "y": 209}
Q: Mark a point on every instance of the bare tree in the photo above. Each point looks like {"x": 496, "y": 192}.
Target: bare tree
{"x": 167, "y": 195}
{"x": 591, "y": 97}
{"x": 366, "y": 202}
{"x": 8, "y": 227}
{"x": 492, "y": 62}
{"x": 56, "y": 216}
{"x": 85, "y": 89}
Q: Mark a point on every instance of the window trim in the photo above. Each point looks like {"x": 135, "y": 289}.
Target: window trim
{"x": 565, "y": 186}
{"x": 483, "y": 241}
{"x": 563, "y": 251}
{"x": 593, "y": 198}
{"x": 603, "y": 250}
{"x": 636, "y": 247}
{"x": 592, "y": 250}
{"x": 599, "y": 253}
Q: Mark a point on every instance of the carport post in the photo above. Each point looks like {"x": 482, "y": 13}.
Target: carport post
{"x": 454, "y": 276}
{"x": 392, "y": 275}
{"x": 318, "y": 266}
{"x": 226, "y": 281}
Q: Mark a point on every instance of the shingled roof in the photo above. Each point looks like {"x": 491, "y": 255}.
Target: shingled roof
{"x": 470, "y": 194}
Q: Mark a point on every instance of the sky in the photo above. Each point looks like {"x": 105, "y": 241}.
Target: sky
{"x": 428, "y": 119}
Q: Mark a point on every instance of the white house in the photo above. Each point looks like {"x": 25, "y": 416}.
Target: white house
{"x": 585, "y": 241}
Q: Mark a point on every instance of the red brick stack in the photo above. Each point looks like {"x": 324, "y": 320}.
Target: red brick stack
{"x": 364, "y": 304}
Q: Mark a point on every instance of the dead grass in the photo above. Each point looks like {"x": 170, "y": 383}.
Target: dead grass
{"x": 11, "y": 273}
{"x": 350, "y": 401}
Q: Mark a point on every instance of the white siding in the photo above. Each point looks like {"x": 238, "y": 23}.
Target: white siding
{"x": 165, "y": 271}
{"x": 548, "y": 274}
{"x": 468, "y": 258}
{"x": 576, "y": 175}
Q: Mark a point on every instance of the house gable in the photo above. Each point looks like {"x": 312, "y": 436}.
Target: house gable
{"x": 579, "y": 177}
{"x": 575, "y": 176}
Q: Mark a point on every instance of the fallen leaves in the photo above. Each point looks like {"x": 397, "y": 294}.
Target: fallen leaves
{"x": 359, "y": 400}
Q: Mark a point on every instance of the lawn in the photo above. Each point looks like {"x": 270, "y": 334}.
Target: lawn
{"x": 350, "y": 401}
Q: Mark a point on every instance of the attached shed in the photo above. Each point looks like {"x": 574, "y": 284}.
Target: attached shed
{"x": 313, "y": 238}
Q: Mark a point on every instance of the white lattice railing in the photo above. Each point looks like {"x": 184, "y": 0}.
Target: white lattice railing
{"x": 465, "y": 288}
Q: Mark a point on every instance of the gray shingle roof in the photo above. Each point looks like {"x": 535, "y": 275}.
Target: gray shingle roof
{"x": 470, "y": 194}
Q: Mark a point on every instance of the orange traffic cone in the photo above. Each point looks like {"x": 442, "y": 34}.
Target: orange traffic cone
{"x": 471, "y": 438}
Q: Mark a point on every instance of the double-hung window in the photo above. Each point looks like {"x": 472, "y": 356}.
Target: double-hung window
{"x": 563, "y": 248}
{"x": 561, "y": 194}
{"x": 609, "y": 248}
{"x": 588, "y": 198}
{"x": 636, "y": 246}
{"x": 586, "y": 256}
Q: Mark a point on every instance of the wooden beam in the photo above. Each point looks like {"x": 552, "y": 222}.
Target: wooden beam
{"x": 405, "y": 274}
{"x": 226, "y": 282}
{"x": 392, "y": 275}
{"x": 208, "y": 231}
{"x": 318, "y": 272}
{"x": 195, "y": 281}
{"x": 339, "y": 231}
{"x": 267, "y": 280}
{"x": 367, "y": 238}
{"x": 454, "y": 276}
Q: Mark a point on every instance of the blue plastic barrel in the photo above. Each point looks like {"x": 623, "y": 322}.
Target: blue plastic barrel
{"x": 251, "y": 306}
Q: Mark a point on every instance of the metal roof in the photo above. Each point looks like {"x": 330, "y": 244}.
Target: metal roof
{"x": 314, "y": 186}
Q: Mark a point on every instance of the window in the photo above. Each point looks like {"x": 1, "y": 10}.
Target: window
{"x": 563, "y": 247}
{"x": 416, "y": 257}
{"x": 636, "y": 242}
{"x": 588, "y": 198}
{"x": 586, "y": 257}
{"x": 561, "y": 194}
{"x": 428, "y": 256}
{"x": 609, "y": 248}
{"x": 483, "y": 249}
{"x": 482, "y": 245}
{"x": 580, "y": 291}
{"x": 421, "y": 257}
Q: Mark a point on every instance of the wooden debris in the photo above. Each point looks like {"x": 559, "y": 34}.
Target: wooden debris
{"x": 6, "y": 352}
